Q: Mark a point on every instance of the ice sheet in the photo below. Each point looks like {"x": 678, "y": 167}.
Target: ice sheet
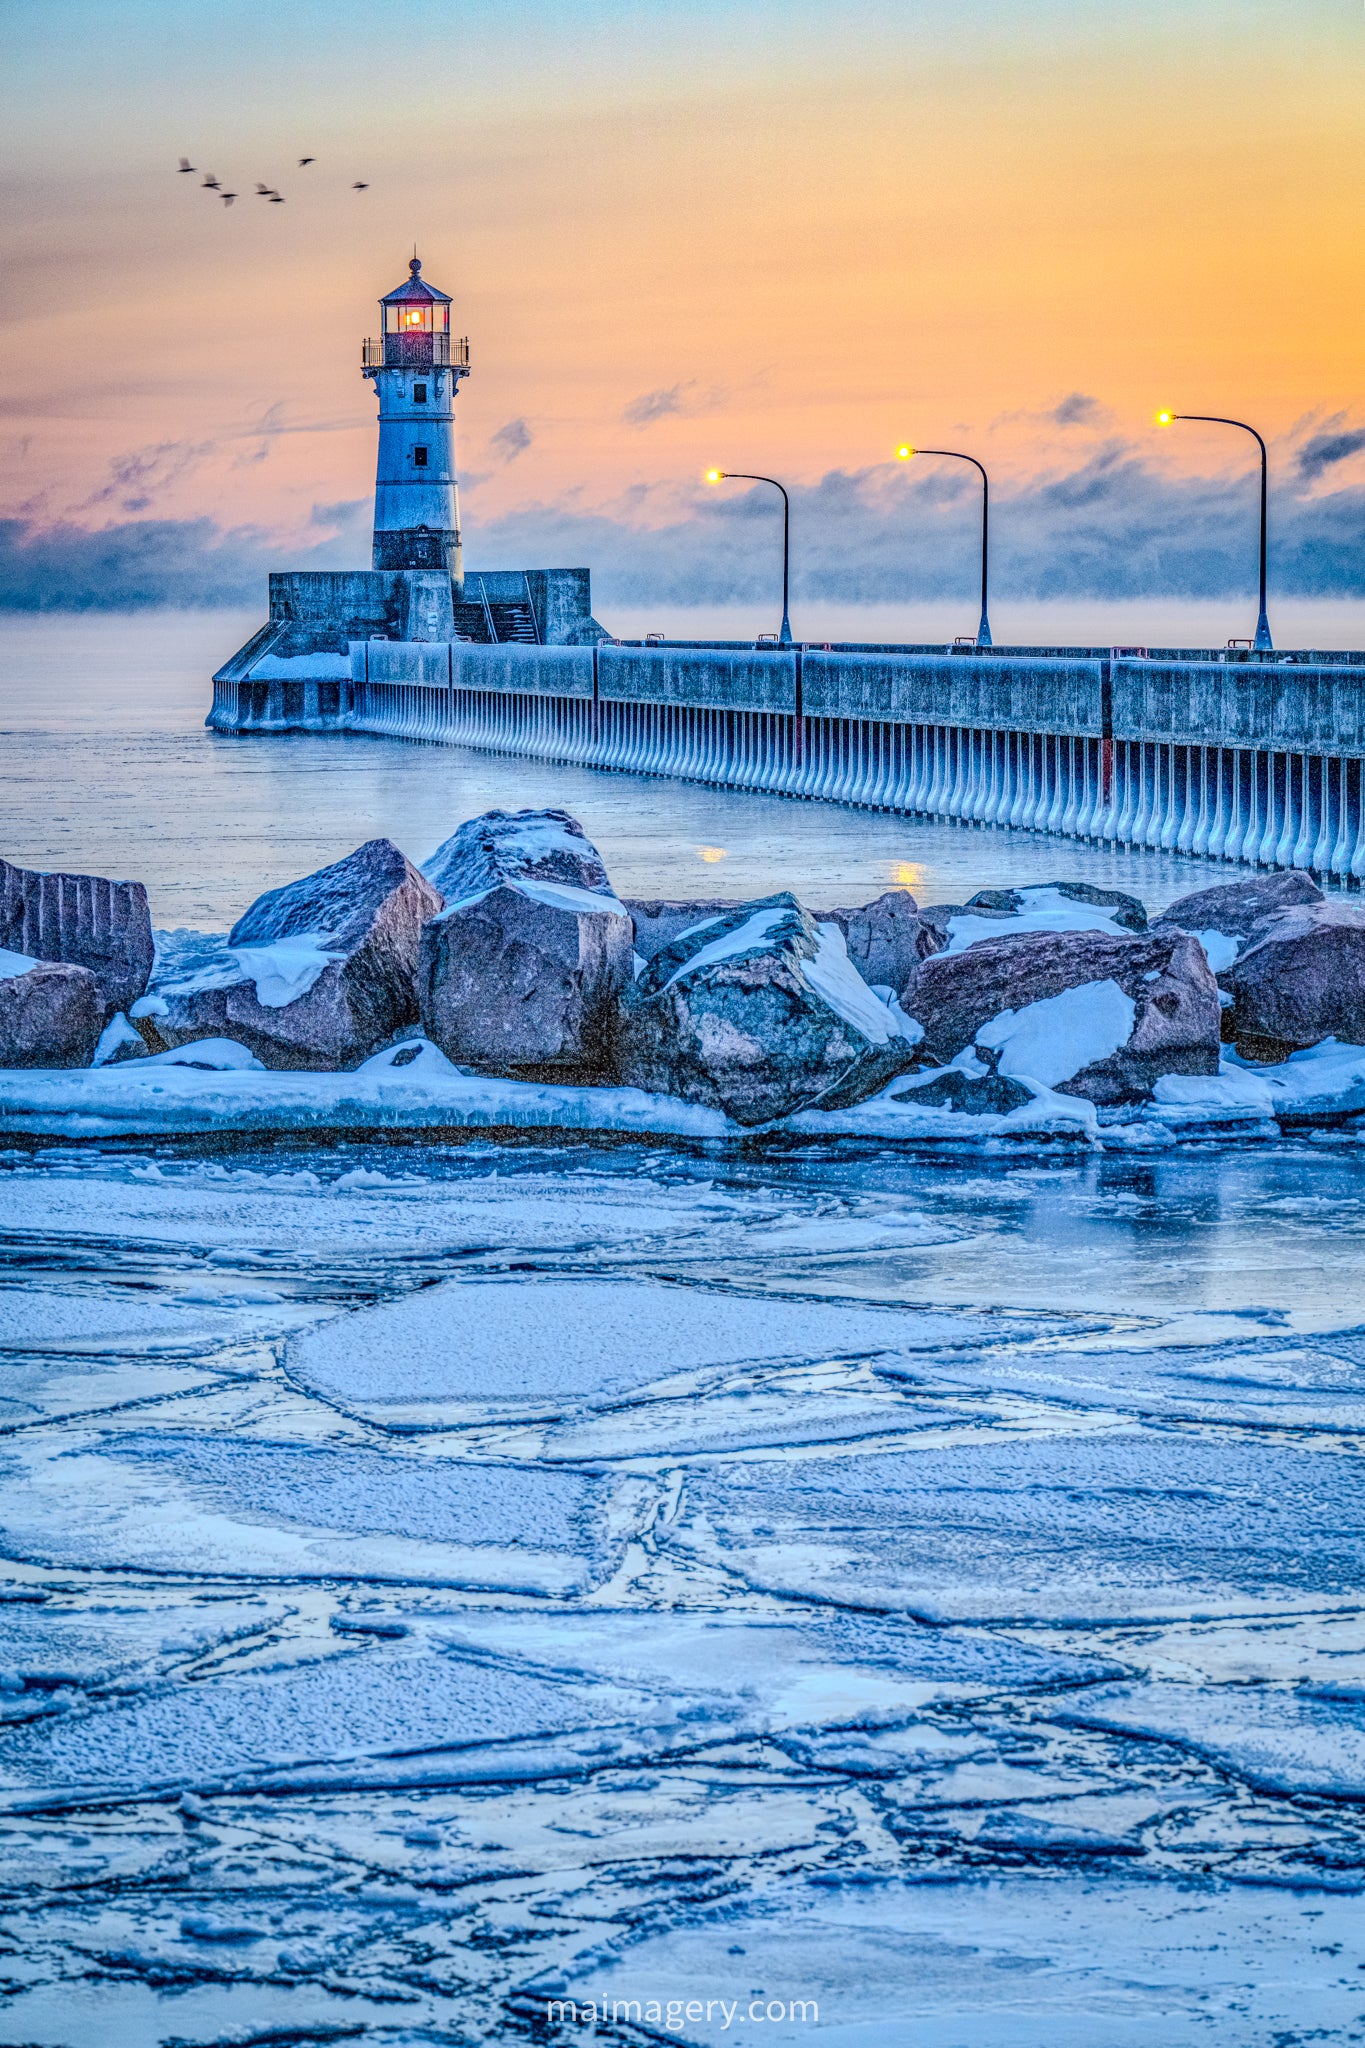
{"x": 371, "y": 1702}
{"x": 774, "y": 1675}
{"x": 178, "y": 1501}
{"x": 1305, "y": 1743}
{"x": 1065, "y": 1962}
{"x": 128, "y": 1101}
{"x": 1121, "y": 1523}
{"x": 506, "y": 1347}
{"x": 543, "y": 1697}
{"x": 44, "y": 1319}
{"x": 1267, "y": 1381}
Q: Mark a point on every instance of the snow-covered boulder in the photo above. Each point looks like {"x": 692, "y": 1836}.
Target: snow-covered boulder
{"x": 1300, "y": 979}
{"x": 1045, "y": 907}
{"x": 1225, "y": 918}
{"x": 51, "y": 1013}
{"x": 658, "y": 920}
{"x": 760, "y": 1012}
{"x": 522, "y": 971}
{"x": 887, "y": 938}
{"x": 1238, "y": 907}
{"x": 83, "y": 921}
{"x": 315, "y": 975}
{"x": 1092, "y": 1013}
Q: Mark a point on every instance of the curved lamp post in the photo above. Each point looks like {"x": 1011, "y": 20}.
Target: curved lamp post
{"x": 1165, "y": 419}
{"x": 720, "y": 476}
{"x": 907, "y": 454}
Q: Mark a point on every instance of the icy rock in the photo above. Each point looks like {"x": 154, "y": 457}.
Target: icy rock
{"x": 1165, "y": 975}
{"x": 972, "y": 1084}
{"x": 1300, "y": 980}
{"x": 522, "y": 972}
{"x": 1045, "y": 907}
{"x": 1236, "y": 908}
{"x": 1325, "y": 1084}
{"x": 51, "y": 1015}
{"x": 1062, "y": 1035}
{"x": 887, "y": 938}
{"x": 660, "y": 920}
{"x": 81, "y": 921}
{"x": 118, "y": 1042}
{"x": 407, "y": 1054}
{"x": 210, "y": 1056}
{"x": 316, "y": 974}
{"x": 760, "y": 1012}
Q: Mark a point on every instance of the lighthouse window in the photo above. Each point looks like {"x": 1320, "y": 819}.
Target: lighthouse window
{"x": 419, "y": 394}
{"x": 419, "y": 456}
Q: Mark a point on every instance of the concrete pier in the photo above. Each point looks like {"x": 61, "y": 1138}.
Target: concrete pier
{"x": 1234, "y": 755}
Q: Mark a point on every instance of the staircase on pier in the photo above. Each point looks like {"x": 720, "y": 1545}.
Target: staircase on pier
{"x": 488, "y": 621}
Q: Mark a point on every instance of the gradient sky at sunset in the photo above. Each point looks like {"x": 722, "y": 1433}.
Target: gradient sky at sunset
{"x": 765, "y": 233}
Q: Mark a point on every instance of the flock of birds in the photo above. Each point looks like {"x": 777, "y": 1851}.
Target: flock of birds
{"x": 213, "y": 183}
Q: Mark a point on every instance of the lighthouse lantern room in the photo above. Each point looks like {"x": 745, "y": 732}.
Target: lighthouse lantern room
{"x": 416, "y": 367}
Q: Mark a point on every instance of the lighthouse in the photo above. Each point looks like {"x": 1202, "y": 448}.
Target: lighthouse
{"x": 416, "y": 366}
{"x": 302, "y": 664}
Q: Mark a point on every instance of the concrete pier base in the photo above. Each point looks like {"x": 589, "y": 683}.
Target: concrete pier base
{"x": 1249, "y": 760}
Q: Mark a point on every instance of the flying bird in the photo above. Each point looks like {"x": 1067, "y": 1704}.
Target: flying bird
{"x": 264, "y": 191}
{"x": 359, "y": 187}
{"x": 185, "y": 165}
{"x": 306, "y": 160}
{"x": 212, "y": 182}
{"x": 277, "y": 199}
{"x": 227, "y": 197}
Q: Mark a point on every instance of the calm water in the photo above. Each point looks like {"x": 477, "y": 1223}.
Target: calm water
{"x": 108, "y": 770}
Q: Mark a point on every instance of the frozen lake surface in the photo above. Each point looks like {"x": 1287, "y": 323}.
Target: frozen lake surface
{"x": 439, "y": 1582}
{"x": 451, "y": 1593}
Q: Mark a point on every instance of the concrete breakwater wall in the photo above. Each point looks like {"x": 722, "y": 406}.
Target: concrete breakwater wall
{"x": 1246, "y": 758}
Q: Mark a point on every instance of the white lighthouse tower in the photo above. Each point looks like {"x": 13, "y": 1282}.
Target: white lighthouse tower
{"x": 416, "y": 366}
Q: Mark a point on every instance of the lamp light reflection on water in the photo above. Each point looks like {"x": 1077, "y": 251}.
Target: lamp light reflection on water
{"x": 711, "y": 854}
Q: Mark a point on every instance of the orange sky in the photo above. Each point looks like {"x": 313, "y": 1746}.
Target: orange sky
{"x": 819, "y": 228}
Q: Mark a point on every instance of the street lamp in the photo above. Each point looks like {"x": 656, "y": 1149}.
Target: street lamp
{"x": 907, "y": 454}
{"x": 720, "y": 476}
{"x": 1166, "y": 419}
